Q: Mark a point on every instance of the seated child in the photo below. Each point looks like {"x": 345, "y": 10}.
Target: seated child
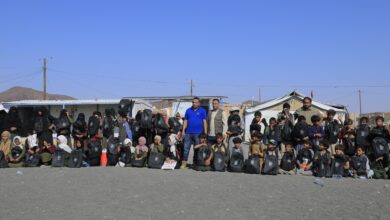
{"x": 316, "y": 132}
{"x": 125, "y": 153}
{"x": 46, "y": 151}
{"x": 32, "y": 156}
{"x": 322, "y": 161}
{"x": 257, "y": 148}
{"x": 305, "y": 159}
{"x": 157, "y": 146}
{"x": 221, "y": 148}
{"x": 288, "y": 162}
{"x": 270, "y": 166}
{"x": 340, "y": 164}
{"x": 361, "y": 164}
{"x": 300, "y": 133}
{"x": 141, "y": 151}
{"x": 237, "y": 146}
{"x": 204, "y": 154}
{"x": 16, "y": 155}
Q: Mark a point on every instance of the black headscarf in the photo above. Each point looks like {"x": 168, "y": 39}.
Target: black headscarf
{"x": 13, "y": 120}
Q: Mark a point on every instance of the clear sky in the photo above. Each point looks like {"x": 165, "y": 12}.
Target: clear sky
{"x": 112, "y": 49}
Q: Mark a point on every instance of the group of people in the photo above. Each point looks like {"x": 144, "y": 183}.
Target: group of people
{"x": 307, "y": 142}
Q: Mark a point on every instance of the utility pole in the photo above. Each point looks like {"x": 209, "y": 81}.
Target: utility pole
{"x": 44, "y": 78}
{"x": 260, "y": 95}
{"x": 360, "y": 103}
{"x": 191, "y": 89}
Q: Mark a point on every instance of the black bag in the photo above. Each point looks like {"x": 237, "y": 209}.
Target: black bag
{"x": 175, "y": 125}
{"x": 338, "y": 166}
{"x": 236, "y": 163}
{"x": 270, "y": 165}
{"x": 380, "y": 147}
{"x": 3, "y": 161}
{"x": 138, "y": 163}
{"x": 76, "y": 159}
{"x": 38, "y": 125}
{"x": 219, "y": 162}
{"x": 287, "y": 131}
{"x": 125, "y": 155}
{"x": 125, "y": 107}
{"x": 252, "y": 165}
{"x": 360, "y": 165}
{"x": 322, "y": 169}
{"x": 203, "y": 153}
{"x": 332, "y": 128}
{"x": 301, "y": 130}
{"x": 32, "y": 160}
{"x": 94, "y": 153}
{"x": 93, "y": 126}
{"x": 254, "y": 127}
{"x": 136, "y": 128}
{"x": 362, "y": 134}
{"x": 58, "y": 158}
{"x": 146, "y": 119}
{"x": 108, "y": 126}
{"x": 234, "y": 125}
{"x": 112, "y": 151}
{"x": 63, "y": 123}
{"x": 349, "y": 145}
{"x": 160, "y": 125}
{"x": 156, "y": 160}
{"x": 288, "y": 161}
{"x": 316, "y": 144}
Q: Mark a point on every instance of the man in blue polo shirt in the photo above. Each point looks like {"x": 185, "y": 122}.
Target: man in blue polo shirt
{"x": 195, "y": 123}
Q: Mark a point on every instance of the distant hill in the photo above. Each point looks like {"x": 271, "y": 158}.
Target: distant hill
{"x": 22, "y": 93}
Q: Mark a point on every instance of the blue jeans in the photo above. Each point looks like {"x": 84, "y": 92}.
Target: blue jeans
{"x": 189, "y": 139}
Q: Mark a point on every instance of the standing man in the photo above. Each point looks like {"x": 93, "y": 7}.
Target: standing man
{"x": 307, "y": 110}
{"x": 195, "y": 123}
{"x": 217, "y": 122}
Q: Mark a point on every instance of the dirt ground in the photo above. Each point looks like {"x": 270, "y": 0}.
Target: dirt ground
{"x": 131, "y": 193}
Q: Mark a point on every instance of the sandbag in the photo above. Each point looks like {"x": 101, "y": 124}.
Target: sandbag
{"x": 156, "y": 160}
{"x": 219, "y": 162}
{"x": 236, "y": 163}
{"x": 252, "y": 165}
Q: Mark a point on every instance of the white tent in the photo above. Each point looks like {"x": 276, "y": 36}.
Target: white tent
{"x": 271, "y": 108}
